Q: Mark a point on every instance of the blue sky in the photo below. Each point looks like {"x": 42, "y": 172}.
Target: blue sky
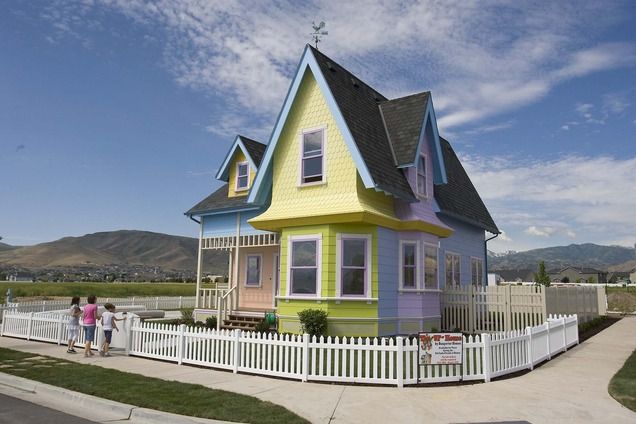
{"x": 116, "y": 114}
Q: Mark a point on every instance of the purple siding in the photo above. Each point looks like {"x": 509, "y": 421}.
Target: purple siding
{"x": 467, "y": 241}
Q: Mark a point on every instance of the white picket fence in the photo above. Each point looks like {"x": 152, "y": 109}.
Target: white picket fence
{"x": 389, "y": 361}
{"x": 160, "y": 302}
{"x": 475, "y": 309}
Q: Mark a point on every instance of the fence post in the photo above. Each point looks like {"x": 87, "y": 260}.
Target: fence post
{"x": 547, "y": 323}
{"x": 180, "y": 302}
{"x": 59, "y": 329}
{"x": 471, "y": 309}
{"x": 130, "y": 321}
{"x": 400, "y": 361}
{"x": 157, "y": 302}
{"x": 565, "y": 337}
{"x": 305, "y": 371}
{"x": 4, "y": 312}
{"x": 43, "y": 305}
{"x": 182, "y": 328}
{"x": 133, "y": 301}
{"x": 529, "y": 350}
{"x": 30, "y": 326}
{"x": 485, "y": 356}
{"x": 237, "y": 350}
{"x": 575, "y": 323}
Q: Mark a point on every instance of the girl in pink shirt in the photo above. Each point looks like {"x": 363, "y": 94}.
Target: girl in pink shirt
{"x": 90, "y": 321}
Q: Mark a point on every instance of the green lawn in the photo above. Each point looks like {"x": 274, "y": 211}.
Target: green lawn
{"x": 98, "y": 289}
{"x": 146, "y": 392}
{"x": 622, "y": 387}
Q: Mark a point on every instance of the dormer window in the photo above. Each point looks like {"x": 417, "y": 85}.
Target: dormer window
{"x": 312, "y": 156}
{"x": 242, "y": 176}
{"x": 421, "y": 176}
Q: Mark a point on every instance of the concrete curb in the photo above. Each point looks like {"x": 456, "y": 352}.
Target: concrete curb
{"x": 87, "y": 406}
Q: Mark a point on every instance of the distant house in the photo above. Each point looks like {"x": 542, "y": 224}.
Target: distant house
{"x": 516, "y": 275}
{"x": 581, "y": 275}
{"x": 617, "y": 277}
{"x": 632, "y": 276}
{"x": 20, "y": 276}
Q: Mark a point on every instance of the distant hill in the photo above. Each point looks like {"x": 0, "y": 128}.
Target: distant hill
{"x": 587, "y": 255}
{"x": 125, "y": 247}
{"x": 4, "y": 246}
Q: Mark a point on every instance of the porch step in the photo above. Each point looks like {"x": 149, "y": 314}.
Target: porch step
{"x": 241, "y": 322}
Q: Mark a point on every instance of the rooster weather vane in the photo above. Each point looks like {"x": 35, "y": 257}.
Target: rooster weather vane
{"x": 318, "y": 32}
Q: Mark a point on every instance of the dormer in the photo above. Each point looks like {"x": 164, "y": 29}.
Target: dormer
{"x": 240, "y": 165}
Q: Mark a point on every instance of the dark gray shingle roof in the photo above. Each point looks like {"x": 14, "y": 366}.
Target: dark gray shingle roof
{"x": 218, "y": 201}
{"x": 358, "y": 104}
{"x": 459, "y": 198}
{"x": 404, "y": 118}
{"x": 255, "y": 149}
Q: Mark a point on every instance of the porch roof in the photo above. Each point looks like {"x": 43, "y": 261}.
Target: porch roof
{"x": 219, "y": 202}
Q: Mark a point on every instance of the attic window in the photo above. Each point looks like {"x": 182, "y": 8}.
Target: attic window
{"x": 312, "y": 159}
{"x": 355, "y": 82}
{"x": 421, "y": 176}
{"x": 242, "y": 175}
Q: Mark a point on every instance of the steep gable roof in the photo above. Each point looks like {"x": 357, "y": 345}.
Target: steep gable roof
{"x": 404, "y": 119}
{"x": 219, "y": 202}
{"x": 458, "y": 198}
{"x": 252, "y": 149}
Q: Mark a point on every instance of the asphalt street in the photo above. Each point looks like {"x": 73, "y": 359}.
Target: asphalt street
{"x": 13, "y": 410}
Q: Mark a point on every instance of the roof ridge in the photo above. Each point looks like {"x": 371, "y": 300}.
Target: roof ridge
{"x": 388, "y": 136}
{"x": 243, "y": 137}
{"x": 427, "y": 92}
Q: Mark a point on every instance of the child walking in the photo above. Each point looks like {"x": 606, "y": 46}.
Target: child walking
{"x": 108, "y": 324}
{"x": 90, "y": 322}
{"x": 73, "y": 324}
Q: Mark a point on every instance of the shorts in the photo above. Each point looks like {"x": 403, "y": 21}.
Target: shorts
{"x": 108, "y": 334}
{"x": 89, "y": 333}
{"x": 73, "y": 332}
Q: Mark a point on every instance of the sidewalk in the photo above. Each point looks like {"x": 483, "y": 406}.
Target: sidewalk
{"x": 569, "y": 389}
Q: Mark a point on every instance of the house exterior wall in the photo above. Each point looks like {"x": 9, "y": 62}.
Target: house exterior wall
{"x": 239, "y": 156}
{"x": 467, "y": 241}
{"x": 261, "y": 297}
{"x": 225, "y": 224}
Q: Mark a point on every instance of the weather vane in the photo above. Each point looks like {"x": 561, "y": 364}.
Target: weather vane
{"x": 318, "y": 32}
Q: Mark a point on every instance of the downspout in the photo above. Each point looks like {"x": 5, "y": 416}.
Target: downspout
{"x": 486, "y": 254}
{"x": 198, "y": 222}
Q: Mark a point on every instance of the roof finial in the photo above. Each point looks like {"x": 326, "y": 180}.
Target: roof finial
{"x": 318, "y": 33}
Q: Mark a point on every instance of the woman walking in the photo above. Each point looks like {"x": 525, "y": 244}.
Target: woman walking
{"x": 73, "y": 324}
{"x": 90, "y": 321}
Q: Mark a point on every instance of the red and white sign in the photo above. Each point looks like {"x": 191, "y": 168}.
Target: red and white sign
{"x": 441, "y": 348}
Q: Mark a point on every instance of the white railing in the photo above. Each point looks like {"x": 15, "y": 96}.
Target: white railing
{"x": 476, "y": 309}
{"x": 158, "y": 302}
{"x": 229, "y": 242}
{"x": 387, "y": 361}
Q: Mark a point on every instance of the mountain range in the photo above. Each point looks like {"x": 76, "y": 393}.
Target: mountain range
{"x": 612, "y": 258}
{"x": 123, "y": 248}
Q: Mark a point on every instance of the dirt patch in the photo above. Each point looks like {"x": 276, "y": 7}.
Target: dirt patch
{"x": 621, "y": 301}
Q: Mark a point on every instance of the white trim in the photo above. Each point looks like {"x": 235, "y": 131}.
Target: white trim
{"x": 401, "y": 263}
{"x": 260, "y": 270}
{"x": 305, "y": 237}
{"x": 336, "y": 298}
{"x": 323, "y": 180}
{"x": 275, "y": 277}
{"x": 236, "y": 183}
{"x": 422, "y": 196}
{"x": 226, "y": 162}
{"x": 368, "y": 271}
{"x": 436, "y": 247}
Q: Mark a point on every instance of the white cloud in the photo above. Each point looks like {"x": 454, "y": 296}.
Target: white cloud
{"x": 563, "y": 197}
{"x": 480, "y": 59}
{"x": 565, "y": 127}
{"x": 615, "y": 103}
{"x": 490, "y": 128}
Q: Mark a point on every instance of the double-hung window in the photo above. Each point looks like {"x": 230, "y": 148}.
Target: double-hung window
{"x": 421, "y": 176}
{"x": 242, "y": 175}
{"x": 353, "y": 257}
{"x": 253, "y": 271}
{"x": 312, "y": 156}
{"x": 430, "y": 267}
{"x": 452, "y": 270}
{"x": 304, "y": 265}
{"x": 477, "y": 271}
{"x": 408, "y": 265}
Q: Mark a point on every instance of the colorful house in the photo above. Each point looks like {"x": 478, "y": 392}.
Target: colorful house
{"x": 355, "y": 206}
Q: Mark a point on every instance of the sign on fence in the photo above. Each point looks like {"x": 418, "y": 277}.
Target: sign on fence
{"x": 441, "y": 348}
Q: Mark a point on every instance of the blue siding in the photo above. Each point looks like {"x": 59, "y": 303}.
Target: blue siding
{"x": 225, "y": 224}
{"x": 467, "y": 241}
{"x": 387, "y": 273}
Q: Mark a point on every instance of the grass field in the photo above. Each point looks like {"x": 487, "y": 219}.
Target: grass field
{"x": 29, "y": 290}
{"x": 621, "y": 299}
{"x": 622, "y": 387}
{"x": 146, "y": 392}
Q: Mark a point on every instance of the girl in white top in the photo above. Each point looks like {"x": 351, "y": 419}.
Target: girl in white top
{"x": 109, "y": 323}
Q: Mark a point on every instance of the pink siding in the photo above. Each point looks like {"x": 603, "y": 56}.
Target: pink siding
{"x": 257, "y": 297}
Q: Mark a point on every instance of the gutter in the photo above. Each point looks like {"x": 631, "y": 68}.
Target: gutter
{"x": 190, "y": 216}
{"x": 486, "y": 253}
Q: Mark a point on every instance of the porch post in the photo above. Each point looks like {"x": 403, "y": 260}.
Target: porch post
{"x": 199, "y": 265}
{"x": 235, "y": 275}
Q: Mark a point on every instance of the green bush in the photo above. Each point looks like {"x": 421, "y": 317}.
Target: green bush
{"x": 262, "y": 327}
{"x": 210, "y": 322}
{"x": 313, "y": 322}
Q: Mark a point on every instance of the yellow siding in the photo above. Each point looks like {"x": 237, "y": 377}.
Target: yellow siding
{"x": 338, "y": 194}
{"x": 238, "y": 157}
